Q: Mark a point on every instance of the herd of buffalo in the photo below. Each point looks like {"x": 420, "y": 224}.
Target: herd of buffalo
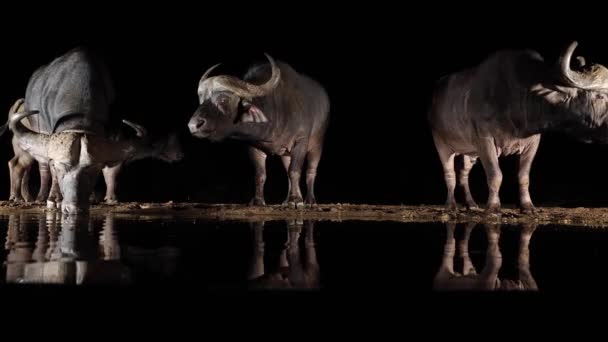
{"x": 499, "y": 107}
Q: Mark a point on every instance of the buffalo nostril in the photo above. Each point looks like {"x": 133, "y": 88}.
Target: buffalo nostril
{"x": 201, "y": 123}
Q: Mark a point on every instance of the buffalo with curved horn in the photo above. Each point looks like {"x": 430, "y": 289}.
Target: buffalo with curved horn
{"x": 503, "y": 105}
{"x": 276, "y": 111}
{"x": 72, "y": 94}
{"x": 166, "y": 148}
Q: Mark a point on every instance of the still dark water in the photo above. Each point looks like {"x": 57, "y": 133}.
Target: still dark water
{"x": 122, "y": 251}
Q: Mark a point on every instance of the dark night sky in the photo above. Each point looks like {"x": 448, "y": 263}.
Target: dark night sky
{"x": 376, "y": 64}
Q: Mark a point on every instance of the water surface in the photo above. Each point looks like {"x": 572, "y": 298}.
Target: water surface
{"x": 120, "y": 251}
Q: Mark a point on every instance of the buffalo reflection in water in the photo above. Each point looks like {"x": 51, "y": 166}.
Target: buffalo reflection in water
{"x": 446, "y": 279}
{"x": 293, "y": 271}
{"x": 67, "y": 251}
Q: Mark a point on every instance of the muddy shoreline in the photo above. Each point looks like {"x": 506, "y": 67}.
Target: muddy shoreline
{"x": 589, "y": 217}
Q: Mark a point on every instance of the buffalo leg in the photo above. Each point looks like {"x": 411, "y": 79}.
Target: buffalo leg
{"x": 45, "y": 179}
{"x": 110, "y": 176}
{"x": 468, "y": 163}
{"x": 295, "y": 169}
{"x": 25, "y": 185}
{"x": 286, "y": 160}
{"x": 446, "y": 155}
{"x": 313, "y": 158}
{"x": 258, "y": 158}
{"x": 489, "y": 160}
{"x": 55, "y": 196}
{"x": 12, "y": 165}
{"x": 525, "y": 163}
{"x": 17, "y": 167}
{"x": 94, "y": 198}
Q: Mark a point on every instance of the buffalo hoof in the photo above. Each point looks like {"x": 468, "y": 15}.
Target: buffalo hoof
{"x": 93, "y": 199}
{"x": 311, "y": 202}
{"x": 52, "y": 205}
{"x": 15, "y": 199}
{"x": 451, "y": 207}
{"x": 111, "y": 201}
{"x": 472, "y": 205}
{"x": 296, "y": 203}
{"x": 528, "y": 209}
{"x": 257, "y": 202}
{"x": 493, "y": 209}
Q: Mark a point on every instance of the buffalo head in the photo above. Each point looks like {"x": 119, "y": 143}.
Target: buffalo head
{"x": 581, "y": 96}
{"x": 167, "y": 148}
{"x": 225, "y": 102}
{"x": 170, "y": 149}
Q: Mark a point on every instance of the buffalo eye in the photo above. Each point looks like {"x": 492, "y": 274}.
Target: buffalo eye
{"x": 222, "y": 102}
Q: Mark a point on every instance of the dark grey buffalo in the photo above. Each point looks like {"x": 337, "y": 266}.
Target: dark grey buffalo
{"x": 501, "y": 106}
{"x": 72, "y": 96}
{"x": 165, "y": 148}
{"x": 20, "y": 165}
{"x": 277, "y": 111}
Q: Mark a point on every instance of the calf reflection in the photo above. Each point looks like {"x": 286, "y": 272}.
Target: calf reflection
{"x": 20, "y": 251}
{"x": 65, "y": 255}
{"x": 293, "y": 271}
{"x": 488, "y": 280}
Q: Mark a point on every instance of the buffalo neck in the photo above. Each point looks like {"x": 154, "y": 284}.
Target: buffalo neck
{"x": 544, "y": 110}
{"x": 147, "y": 149}
{"x": 252, "y": 132}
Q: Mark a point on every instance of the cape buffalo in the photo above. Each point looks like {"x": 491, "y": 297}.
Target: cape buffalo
{"x": 73, "y": 95}
{"x": 166, "y": 148}
{"x": 274, "y": 109}
{"x": 501, "y": 106}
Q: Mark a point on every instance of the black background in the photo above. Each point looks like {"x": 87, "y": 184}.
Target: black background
{"x": 378, "y": 65}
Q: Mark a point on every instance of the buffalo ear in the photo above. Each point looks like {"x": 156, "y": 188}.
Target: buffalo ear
{"x": 252, "y": 113}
